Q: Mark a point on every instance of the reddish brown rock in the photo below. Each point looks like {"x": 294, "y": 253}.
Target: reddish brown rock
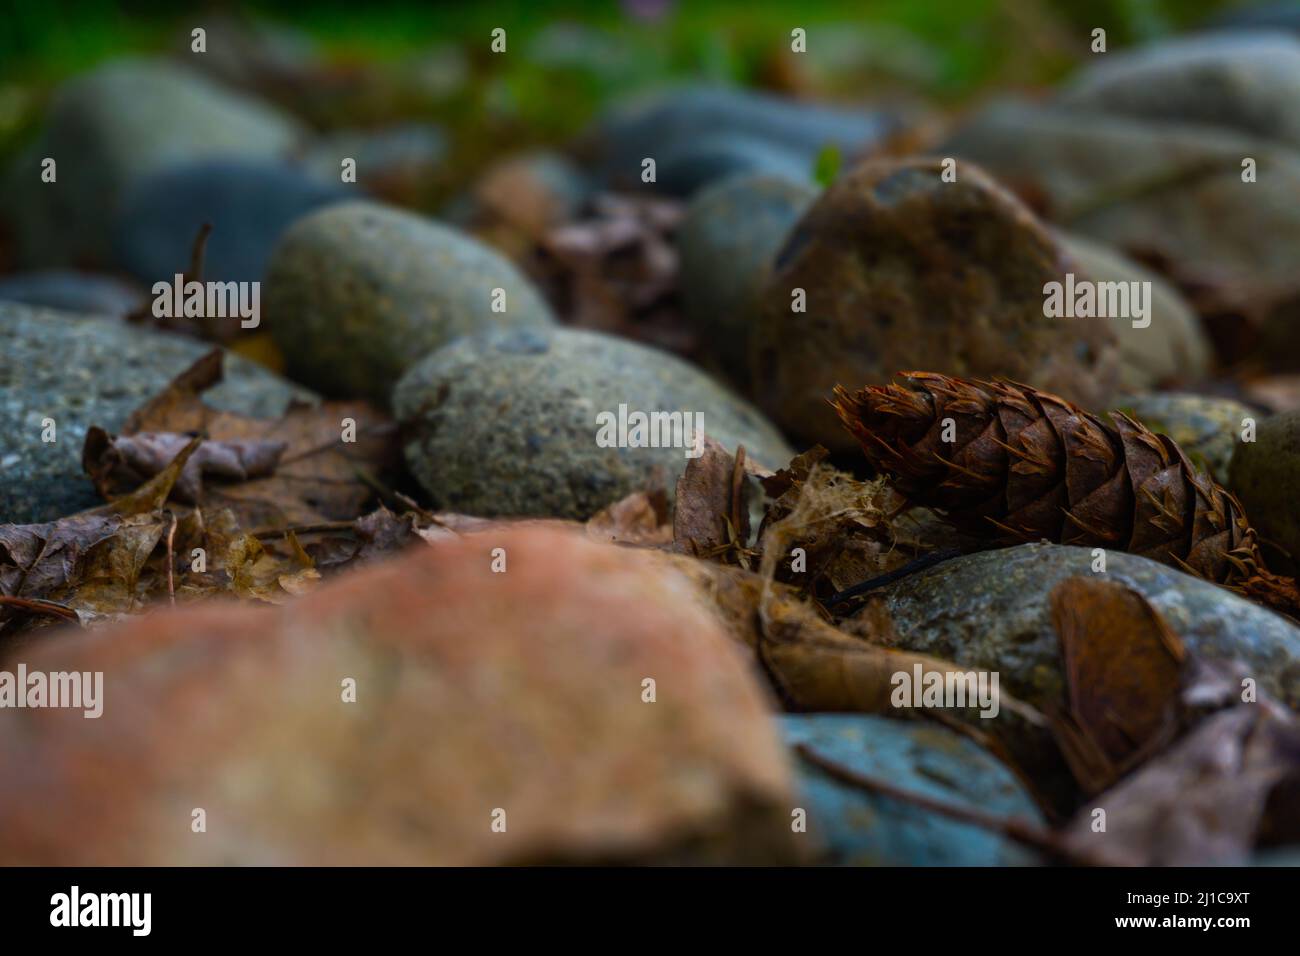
{"x": 903, "y": 271}
{"x": 476, "y": 692}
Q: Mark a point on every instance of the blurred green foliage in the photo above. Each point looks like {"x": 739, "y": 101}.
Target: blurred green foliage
{"x": 566, "y": 60}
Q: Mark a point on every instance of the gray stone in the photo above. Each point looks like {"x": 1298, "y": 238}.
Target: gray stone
{"x": 506, "y": 423}
{"x": 83, "y": 371}
{"x": 357, "y": 292}
{"x": 249, "y": 205}
{"x": 1277, "y": 15}
{"x": 990, "y": 610}
{"x": 660, "y": 124}
{"x": 71, "y": 291}
{"x": 897, "y": 270}
{"x": 727, "y": 241}
{"x": 1206, "y": 428}
{"x": 1265, "y": 475}
{"x": 395, "y": 159}
{"x": 121, "y": 121}
{"x": 687, "y": 167}
{"x": 1243, "y": 81}
{"x": 1166, "y": 192}
{"x": 858, "y": 828}
{"x": 1173, "y": 347}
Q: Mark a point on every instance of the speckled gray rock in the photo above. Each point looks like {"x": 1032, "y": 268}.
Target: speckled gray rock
{"x": 863, "y": 829}
{"x": 84, "y": 371}
{"x": 506, "y": 423}
{"x": 727, "y": 241}
{"x": 357, "y": 292}
{"x": 1169, "y": 191}
{"x": 1172, "y": 347}
{"x": 72, "y": 291}
{"x": 990, "y": 610}
{"x": 1265, "y": 475}
{"x": 123, "y": 120}
{"x": 1244, "y": 81}
{"x": 1208, "y": 429}
{"x": 249, "y": 205}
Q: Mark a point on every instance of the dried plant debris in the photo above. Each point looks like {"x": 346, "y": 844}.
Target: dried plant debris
{"x": 1207, "y": 800}
{"x": 617, "y": 270}
{"x": 316, "y": 463}
{"x": 825, "y": 531}
{"x": 1011, "y": 463}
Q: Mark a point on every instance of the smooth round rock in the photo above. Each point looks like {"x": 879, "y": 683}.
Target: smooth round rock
{"x": 71, "y": 291}
{"x": 858, "y": 828}
{"x": 1245, "y": 81}
{"x": 898, "y": 270}
{"x": 727, "y": 241}
{"x": 249, "y": 205}
{"x": 1265, "y": 475}
{"x": 990, "y": 611}
{"x": 1208, "y": 429}
{"x": 118, "y": 123}
{"x": 1172, "y": 347}
{"x": 506, "y": 423}
{"x": 84, "y": 371}
{"x": 357, "y": 292}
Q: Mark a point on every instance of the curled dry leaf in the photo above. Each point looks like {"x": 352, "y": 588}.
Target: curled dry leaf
{"x": 1123, "y": 673}
{"x": 124, "y": 463}
{"x": 316, "y": 475}
{"x": 711, "y": 519}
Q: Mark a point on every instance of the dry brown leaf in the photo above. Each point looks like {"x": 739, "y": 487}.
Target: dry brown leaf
{"x": 1205, "y": 800}
{"x": 117, "y": 465}
{"x": 640, "y": 519}
{"x": 712, "y": 510}
{"x": 1123, "y": 667}
{"x": 318, "y": 476}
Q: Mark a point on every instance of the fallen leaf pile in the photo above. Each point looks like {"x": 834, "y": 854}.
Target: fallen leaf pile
{"x": 202, "y": 503}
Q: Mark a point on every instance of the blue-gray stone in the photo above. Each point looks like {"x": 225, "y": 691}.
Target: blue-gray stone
{"x": 71, "y": 291}
{"x": 118, "y": 123}
{"x": 248, "y": 203}
{"x": 727, "y": 241}
{"x": 661, "y": 125}
{"x": 860, "y": 828}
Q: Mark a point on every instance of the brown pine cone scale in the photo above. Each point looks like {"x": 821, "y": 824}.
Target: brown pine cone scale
{"x": 1010, "y": 463}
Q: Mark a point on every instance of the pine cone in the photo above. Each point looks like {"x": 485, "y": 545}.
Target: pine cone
{"x": 1025, "y": 465}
